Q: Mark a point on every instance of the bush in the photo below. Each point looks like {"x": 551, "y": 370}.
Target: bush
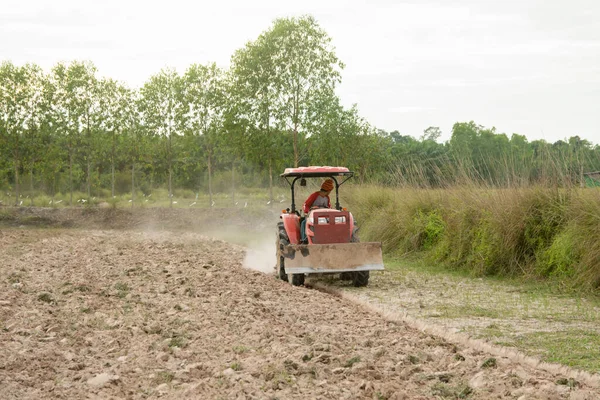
{"x": 532, "y": 232}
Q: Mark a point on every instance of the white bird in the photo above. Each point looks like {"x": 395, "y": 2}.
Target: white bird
{"x": 236, "y": 203}
{"x": 174, "y": 202}
{"x": 130, "y": 201}
{"x": 60, "y": 201}
{"x": 50, "y": 202}
{"x": 83, "y": 200}
{"x": 21, "y": 203}
{"x": 212, "y": 204}
{"x": 193, "y": 204}
{"x": 246, "y": 205}
{"x": 146, "y": 200}
{"x": 281, "y": 201}
{"x": 114, "y": 197}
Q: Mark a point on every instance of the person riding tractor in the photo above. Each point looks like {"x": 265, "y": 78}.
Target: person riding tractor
{"x": 318, "y": 199}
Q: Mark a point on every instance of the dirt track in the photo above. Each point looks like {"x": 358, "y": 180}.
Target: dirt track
{"x": 131, "y": 314}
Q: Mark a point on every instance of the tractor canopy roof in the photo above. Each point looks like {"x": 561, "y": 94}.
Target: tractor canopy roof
{"x": 316, "y": 172}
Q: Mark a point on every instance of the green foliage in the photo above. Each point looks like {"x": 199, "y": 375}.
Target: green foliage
{"x": 541, "y": 233}
{"x": 430, "y": 228}
{"x": 561, "y": 257}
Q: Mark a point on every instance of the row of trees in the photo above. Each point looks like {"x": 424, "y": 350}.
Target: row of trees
{"x": 69, "y": 130}
{"x": 481, "y": 156}
{"x": 276, "y": 106}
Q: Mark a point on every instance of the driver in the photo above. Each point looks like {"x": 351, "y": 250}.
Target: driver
{"x": 319, "y": 199}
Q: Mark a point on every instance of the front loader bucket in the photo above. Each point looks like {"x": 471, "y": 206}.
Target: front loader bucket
{"x": 332, "y": 258}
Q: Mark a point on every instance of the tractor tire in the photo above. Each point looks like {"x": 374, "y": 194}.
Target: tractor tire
{"x": 297, "y": 279}
{"x": 354, "y": 238}
{"x": 347, "y": 276}
{"x": 282, "y": 240}
{"x": 361, "y": 278}
{"x": 357, "y": 278}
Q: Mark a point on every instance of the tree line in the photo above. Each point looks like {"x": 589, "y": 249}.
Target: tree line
{"x": 274, "y": 107}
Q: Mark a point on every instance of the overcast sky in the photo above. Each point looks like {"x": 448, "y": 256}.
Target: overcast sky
{"x": 524, "y": 66}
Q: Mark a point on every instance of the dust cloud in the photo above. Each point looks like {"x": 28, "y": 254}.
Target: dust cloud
{"x": 260, "y": 246}
{"x": 261, "y": 256}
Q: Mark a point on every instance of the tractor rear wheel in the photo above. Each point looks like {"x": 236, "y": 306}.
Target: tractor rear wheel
{"x": 358, "y": 278}
{"x": 282, "y": 240}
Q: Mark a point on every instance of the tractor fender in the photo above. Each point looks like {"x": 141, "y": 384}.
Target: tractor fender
{"x": 291, "y": 223}
{"x": 351, "y": 223}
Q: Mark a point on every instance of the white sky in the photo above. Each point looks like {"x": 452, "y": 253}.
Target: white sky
{"x": 525, "y": 66}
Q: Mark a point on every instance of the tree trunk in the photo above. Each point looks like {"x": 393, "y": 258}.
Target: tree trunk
{"x": 233, "y": 183}
{"x": 271, "y": 182}
{"x": 132, "y": 184}
{"x": 112, "y": 167}
{"x": 170, "y": 172}
{"x": 71, "y": 176}
{"x": 296, "y": 156}
{"x": 87, "y": 158}
{"x": 17, "y": 180}
{"x": 209, "y": 165}
{"x": 89, "y": 183}
{"x": 31, "y": 184}
{"x": 170, "y": 187}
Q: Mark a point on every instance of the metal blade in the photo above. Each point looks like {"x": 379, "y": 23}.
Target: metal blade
{"x": 339, "y": 257}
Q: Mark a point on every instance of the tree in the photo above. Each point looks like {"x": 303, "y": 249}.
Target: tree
{"x": 432, "y": 133}
{"x": 305, "y": 67}
{"x": 74, "y": 101}
{"x": 250, "y": 111}
{"x": 21, "y": 97}
{"x": 116, "y": 108}
{"x": 204, "y": 101}
{"x": 335, "y": 132}
{"x": 162, "y": 108}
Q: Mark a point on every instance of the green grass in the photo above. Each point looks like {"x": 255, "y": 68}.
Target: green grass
{"x": 553, "y": 323}
{"x": 164, "y": 377}
{"x": 573, "y": 347}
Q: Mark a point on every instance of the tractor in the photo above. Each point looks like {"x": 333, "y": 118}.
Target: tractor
{"x": 332, "y": 245}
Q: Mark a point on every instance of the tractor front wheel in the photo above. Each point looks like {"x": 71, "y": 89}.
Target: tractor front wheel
{"x": 297, "y": 279}
{"x": 361, "y": 278}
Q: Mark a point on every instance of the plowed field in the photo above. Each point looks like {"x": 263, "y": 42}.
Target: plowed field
{"x": 113, "y": 313}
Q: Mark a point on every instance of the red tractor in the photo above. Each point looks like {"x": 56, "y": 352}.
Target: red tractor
{"x": 332, "y": 244}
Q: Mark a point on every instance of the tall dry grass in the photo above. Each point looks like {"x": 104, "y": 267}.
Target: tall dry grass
{"x": 533, "y": 232}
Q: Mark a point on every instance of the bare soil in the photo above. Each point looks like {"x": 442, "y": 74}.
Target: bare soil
{"x": 164, "y": 311}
